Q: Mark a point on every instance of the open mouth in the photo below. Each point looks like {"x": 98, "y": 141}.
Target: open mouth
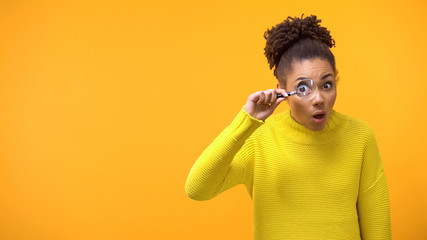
{"x": 319, "y": 116}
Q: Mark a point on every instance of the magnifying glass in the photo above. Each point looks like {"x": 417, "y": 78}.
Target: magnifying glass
{"x": 306, "y": 89}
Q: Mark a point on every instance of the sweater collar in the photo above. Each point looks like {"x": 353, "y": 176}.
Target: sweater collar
{"x": 296, "y": 132}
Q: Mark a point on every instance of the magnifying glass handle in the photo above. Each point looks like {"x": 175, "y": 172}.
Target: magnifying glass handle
{"x": 289, "y": 94}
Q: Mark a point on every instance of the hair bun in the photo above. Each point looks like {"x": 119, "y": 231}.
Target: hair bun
{"x": 282, "y": 36}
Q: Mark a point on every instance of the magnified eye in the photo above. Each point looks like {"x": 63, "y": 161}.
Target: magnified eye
{"x": 303, "y": 88}
{"x": 306, "y": 88}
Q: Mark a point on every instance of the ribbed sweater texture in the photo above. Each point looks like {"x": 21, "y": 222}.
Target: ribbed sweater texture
{"x": 304, "y": 184}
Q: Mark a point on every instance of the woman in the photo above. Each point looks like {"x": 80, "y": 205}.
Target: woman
{"x": 312, "y": 172}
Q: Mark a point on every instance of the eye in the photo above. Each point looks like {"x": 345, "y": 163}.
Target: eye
{"x": 303, "y": 88}
{"x": 327, "y": 86}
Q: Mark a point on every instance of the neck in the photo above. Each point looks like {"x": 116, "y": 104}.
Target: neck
{"x": 296, "y": 132}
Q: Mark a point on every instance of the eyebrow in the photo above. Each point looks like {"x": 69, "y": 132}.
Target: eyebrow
{"x": 322, "y": 78}
{"x": 326, "y": 76}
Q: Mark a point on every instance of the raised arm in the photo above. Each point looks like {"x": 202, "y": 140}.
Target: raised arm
{"x": 228, "y": 160}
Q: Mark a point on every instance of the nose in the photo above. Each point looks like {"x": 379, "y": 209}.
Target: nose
{"x": 318, "y": 99}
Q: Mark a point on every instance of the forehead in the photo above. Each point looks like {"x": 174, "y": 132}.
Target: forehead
{"x": 312, "y": 68}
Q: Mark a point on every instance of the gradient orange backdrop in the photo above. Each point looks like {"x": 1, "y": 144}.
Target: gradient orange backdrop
{"x": 105, "y": 106}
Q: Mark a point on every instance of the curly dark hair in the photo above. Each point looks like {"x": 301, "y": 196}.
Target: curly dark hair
{"x": 297, "y": 39}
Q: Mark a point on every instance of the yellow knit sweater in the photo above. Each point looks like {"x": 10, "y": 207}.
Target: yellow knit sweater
{"x": 304, "y": 184}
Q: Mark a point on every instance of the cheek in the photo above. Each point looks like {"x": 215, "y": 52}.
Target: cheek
{"x": 332, "y": 98}
{"x": 298, "y": 107}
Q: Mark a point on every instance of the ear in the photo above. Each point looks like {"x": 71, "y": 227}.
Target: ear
{"x": 278, "y": 86}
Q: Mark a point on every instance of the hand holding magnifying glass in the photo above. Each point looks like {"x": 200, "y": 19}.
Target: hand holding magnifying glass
{"x": 306, "y": 89}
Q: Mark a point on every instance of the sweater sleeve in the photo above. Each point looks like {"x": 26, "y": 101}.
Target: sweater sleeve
{"x": 226, "y": 162}
{"x": 373, "y": 201}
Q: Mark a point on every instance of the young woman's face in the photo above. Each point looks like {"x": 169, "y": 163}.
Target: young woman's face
{"x": 312, "y": 114}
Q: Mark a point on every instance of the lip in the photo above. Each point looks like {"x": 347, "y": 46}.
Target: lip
{"x": 319, "y": 120}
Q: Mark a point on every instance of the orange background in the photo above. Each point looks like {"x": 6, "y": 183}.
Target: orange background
{"x": 105, "y": 106}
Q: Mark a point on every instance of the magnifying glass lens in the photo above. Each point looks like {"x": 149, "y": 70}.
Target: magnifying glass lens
{"x": 303, "y": 90}
{"x": 306, "y": 89}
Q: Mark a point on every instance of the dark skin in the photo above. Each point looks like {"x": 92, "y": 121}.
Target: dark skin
{"x": 312, "y": 114}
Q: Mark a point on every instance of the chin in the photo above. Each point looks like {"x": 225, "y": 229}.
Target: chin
{"x": 313, "y": 126}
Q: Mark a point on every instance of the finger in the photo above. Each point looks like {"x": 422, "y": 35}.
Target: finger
{"x": 283, "y": 92}
{"x": 261, "y": 98}
{"x": 267, "y": 95}
{"x": 277, "y": 102}
{"x": 273, "y": 96}
{"x": 254, "y": 97}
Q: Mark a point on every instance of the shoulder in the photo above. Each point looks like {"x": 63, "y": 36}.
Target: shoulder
{"x": 271, "y": 126}
{"x": 360, "y": 125}
{"x": 277, "y": 118}
{"x": 358, "y": 128}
